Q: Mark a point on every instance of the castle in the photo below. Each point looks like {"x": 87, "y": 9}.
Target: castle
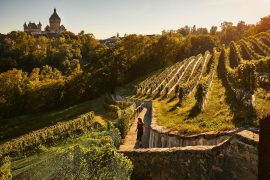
{"x": 50, "y": 30}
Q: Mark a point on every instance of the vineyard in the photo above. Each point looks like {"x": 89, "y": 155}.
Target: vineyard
{"x": 217, "y": 90}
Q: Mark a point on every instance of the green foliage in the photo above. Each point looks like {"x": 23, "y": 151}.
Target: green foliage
{"x": 22, "y": 93}
{"x": 264, "y": 48}
{"x": 113, "y": 110}
{"x": 206, "y": 81}
{"x": 235, "y": 56}
{"x": 243, "y": 77}
{"x": 123, "y": 112}
{"x": 197, "y": 44}
{"x": 223, "y": 66}
{"x": 248, "y": 51}
{"x": 263, "y": 65}
{"x": 230, "y": 32}
{"x": 5, "y": 169}
{"x": 123, "y": 104}
{"x": 16, "y": 126}
{"x": 91, "y": 156}
{"x": 125, "y": 118}
{"x": 187, "y": 87}
{"x": 63, "y": 53}
{"x": 48, "y": 135}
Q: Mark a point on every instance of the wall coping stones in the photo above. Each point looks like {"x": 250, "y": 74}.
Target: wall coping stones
{"x": 245, "y": 136}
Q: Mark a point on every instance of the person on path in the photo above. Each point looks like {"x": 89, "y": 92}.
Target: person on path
{"x": 139, "y": 131}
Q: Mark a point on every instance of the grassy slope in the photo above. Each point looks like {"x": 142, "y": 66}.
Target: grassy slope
{"x": 215, "y": 117}
{"x": 262, "y": 101}
{"x": 14, "y": 127}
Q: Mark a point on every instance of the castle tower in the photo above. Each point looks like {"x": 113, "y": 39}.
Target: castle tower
{"x": 39, "y": 25}
{"x": 55, "y": 21}
{"x": 25, "y": 27}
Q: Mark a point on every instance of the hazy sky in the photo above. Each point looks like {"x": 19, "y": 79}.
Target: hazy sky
{"x": 104, "y": 18}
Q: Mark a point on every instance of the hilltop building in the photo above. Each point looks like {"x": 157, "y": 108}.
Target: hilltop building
{"x": 111, "y": 41}
{"x": 53, "y": 29}
{"x": 32, "y": 28}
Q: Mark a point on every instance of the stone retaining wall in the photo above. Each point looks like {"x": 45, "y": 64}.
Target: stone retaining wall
{"x": 235, "y": 158}
{"x": 225, "y": 155}
{"x": 161, "y": 137}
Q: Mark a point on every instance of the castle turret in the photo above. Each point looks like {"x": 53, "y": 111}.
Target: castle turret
{"x": 32, "y": 28}
{"x": 39, "y": 25}
{"x": 55, "y": 21}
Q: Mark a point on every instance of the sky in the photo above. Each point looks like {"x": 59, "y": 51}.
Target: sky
{"x": 104, "y": 18}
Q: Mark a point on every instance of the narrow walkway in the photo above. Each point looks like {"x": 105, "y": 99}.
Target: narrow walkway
{"x": 130, "y": 140}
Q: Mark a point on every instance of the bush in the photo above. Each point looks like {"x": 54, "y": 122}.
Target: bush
{"x": 125, "y": 119}
{"x": 123, "y": 112}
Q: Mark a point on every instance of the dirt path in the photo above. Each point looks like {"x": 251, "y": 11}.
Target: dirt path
{"x": 130, "y": 140}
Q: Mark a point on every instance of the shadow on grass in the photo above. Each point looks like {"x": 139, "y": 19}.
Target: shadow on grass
{"x": 178, "y": 104}
{"x": 156, "y": 96}
{"x": 171, "y": 99}
{"x": 195, "y": 111}
{"x": 163, "y": 97}
{"x": 242, "y": 116}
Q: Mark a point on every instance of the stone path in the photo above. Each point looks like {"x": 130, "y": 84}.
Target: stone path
{"x": 130, "y": 140}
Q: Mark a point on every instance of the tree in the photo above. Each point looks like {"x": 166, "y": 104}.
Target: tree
{"x": 197, "y": 44}
{"x": 184, "y": 31}
{"x": 213, "y": 30}
{"x": 228, "y": 33}
{"x": 201, "y": 31}
{"x": 13, "y": 86}
{"x": 264, "y": 24}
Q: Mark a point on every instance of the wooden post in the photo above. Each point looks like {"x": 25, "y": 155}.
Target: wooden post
{"x": 264, "y": 149}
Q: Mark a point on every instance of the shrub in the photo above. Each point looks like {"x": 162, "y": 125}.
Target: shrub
{"x": 125, "y": 119}
{"x": 123, "y": 112}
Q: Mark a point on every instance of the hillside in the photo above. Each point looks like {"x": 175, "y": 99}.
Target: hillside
{"x": 214, "y": 91}
{"x": 49, "y": 148}
{"x": 66, "y": 115}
